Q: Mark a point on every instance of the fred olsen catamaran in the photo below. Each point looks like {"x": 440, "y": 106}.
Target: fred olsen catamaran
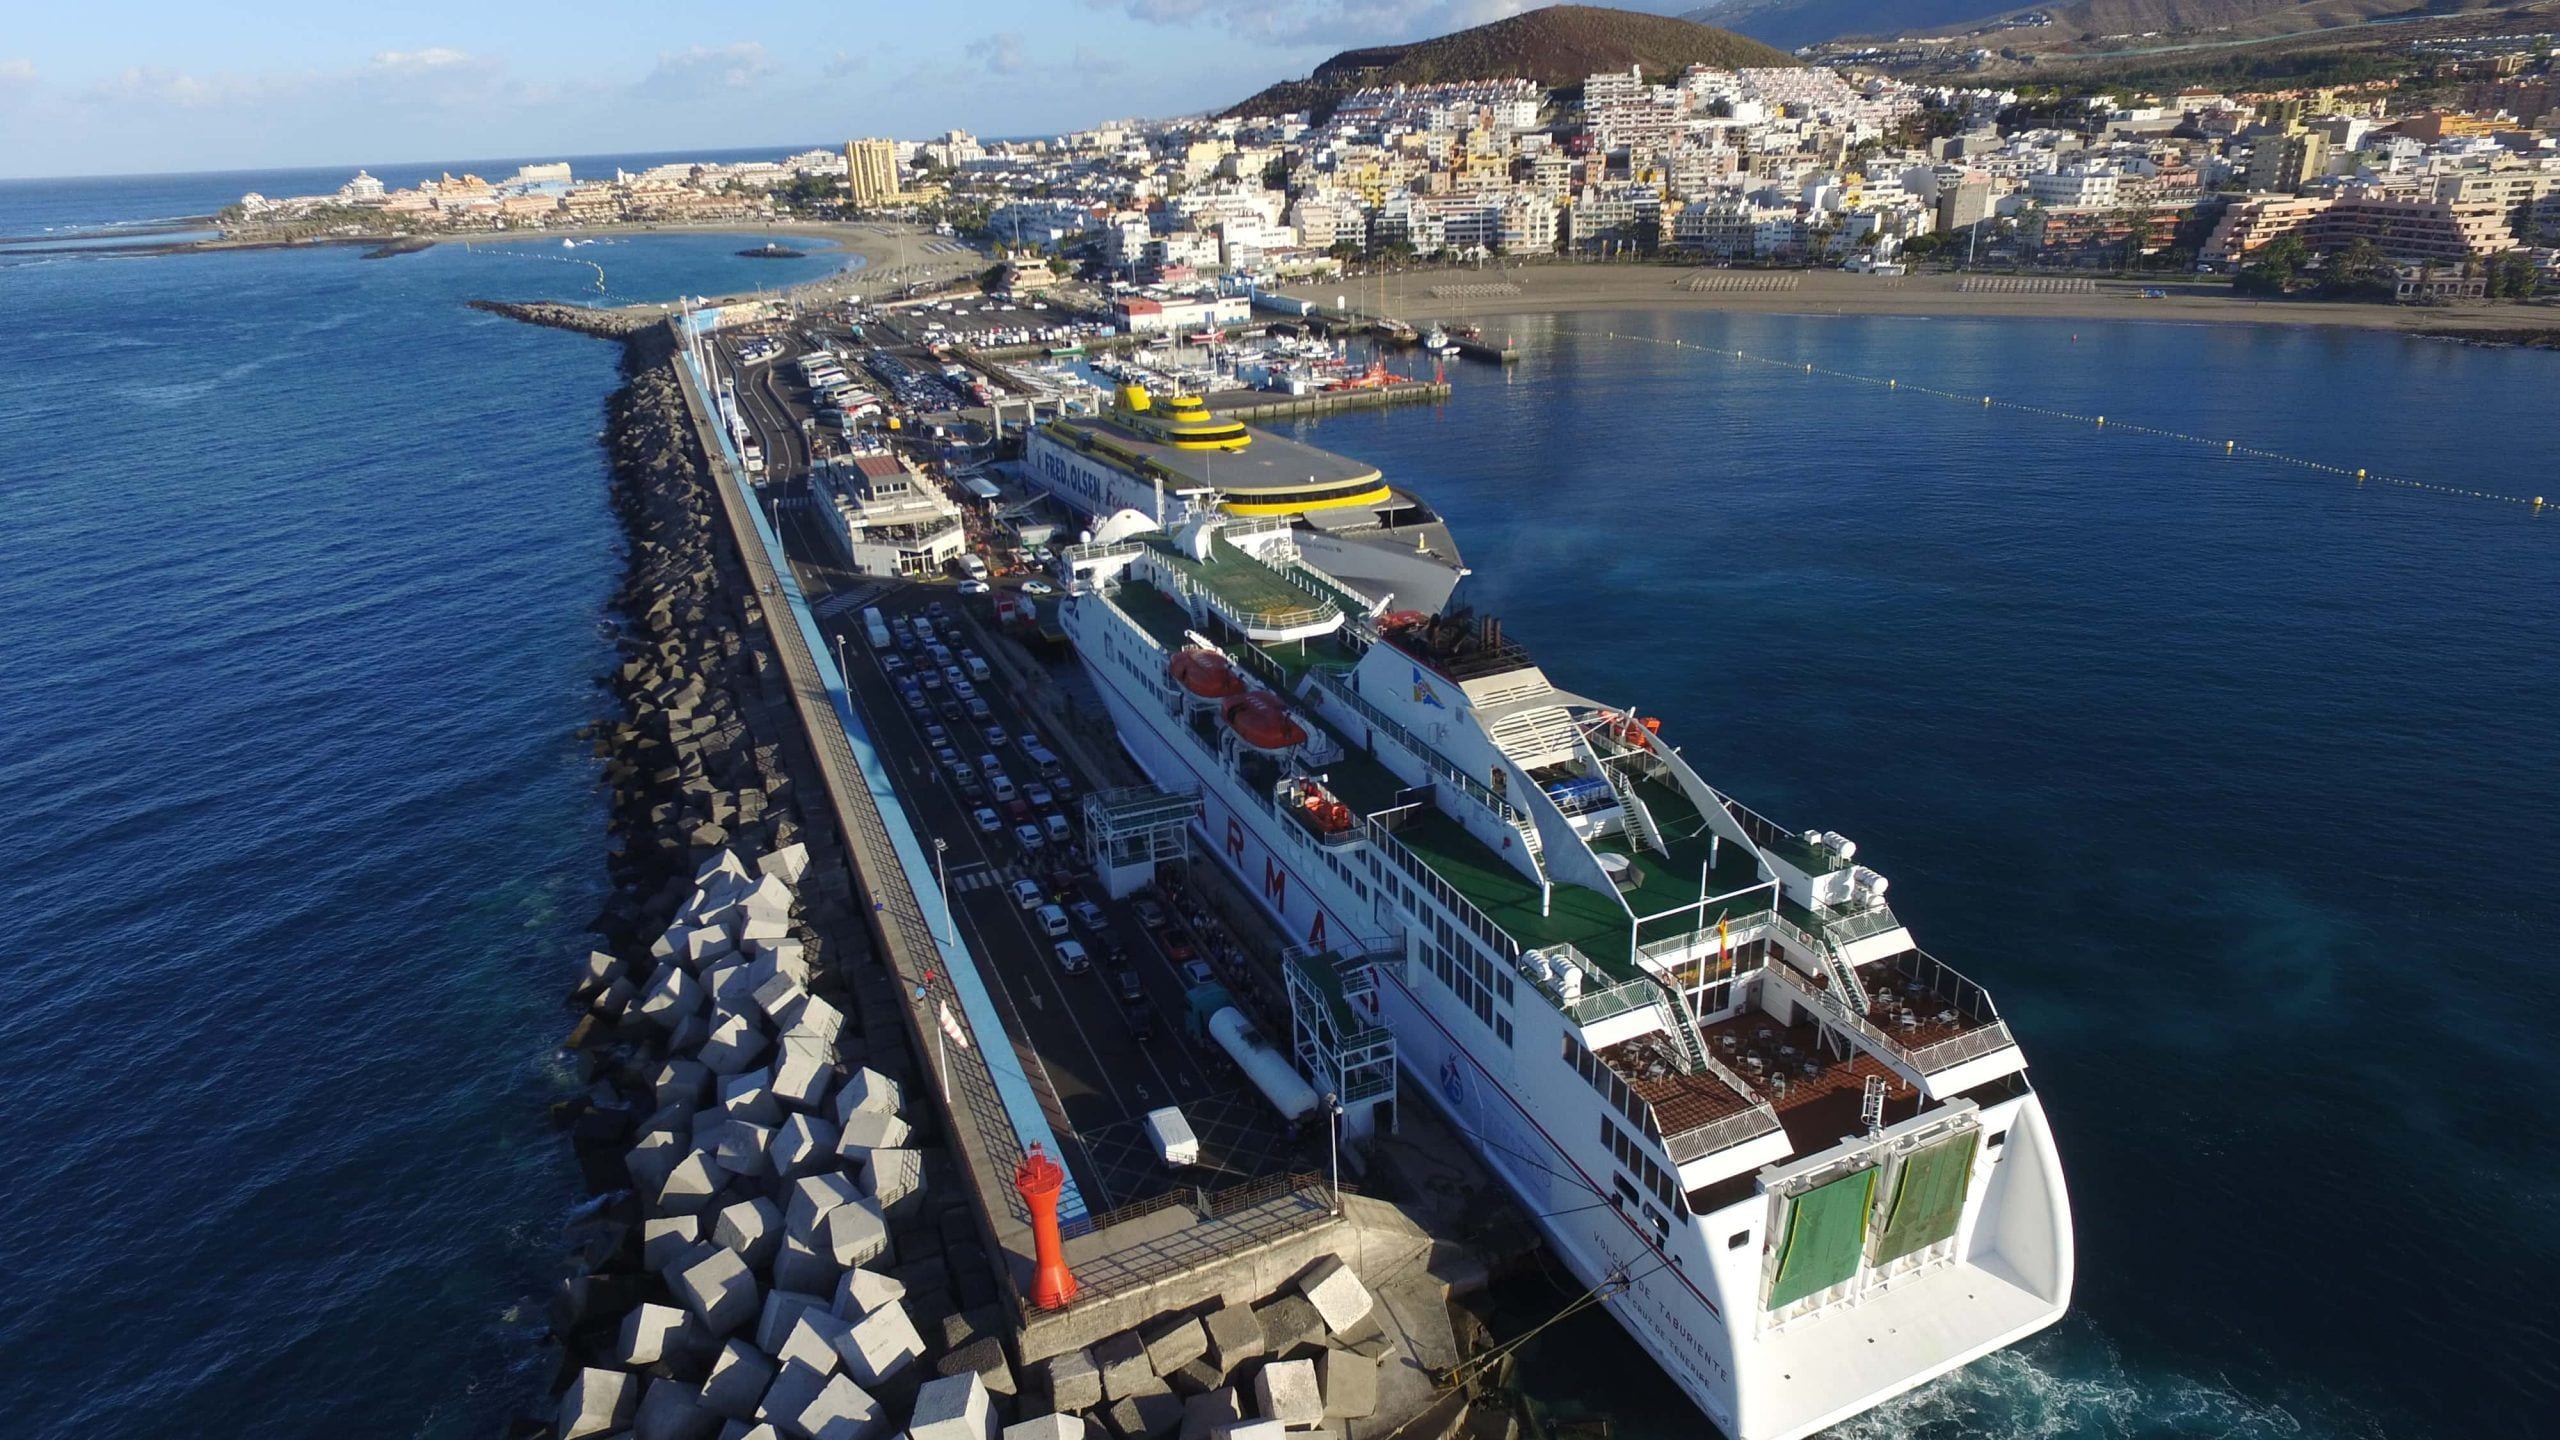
{"x": 1795, "y": 1155}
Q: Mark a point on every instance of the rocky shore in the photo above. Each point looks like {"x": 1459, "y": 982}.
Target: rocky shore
{"x": 610, "y": 324}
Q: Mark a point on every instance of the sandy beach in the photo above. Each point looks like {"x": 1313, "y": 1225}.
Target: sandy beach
{"x": 1430, "y": 294}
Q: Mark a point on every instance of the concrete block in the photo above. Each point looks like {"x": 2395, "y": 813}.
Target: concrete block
{"x": 794, "y": 1389}
{"x": 882, "y": 1343}
{"x": 1074, "y": 1382}
{"x": 843, "y": 1411}
{"x": 1122, "y": 1359}
{"x": 748, "y": 1095}
{"x": 692, "y": 1184}
{"x": 598, "y": 1402}
{"x": 645, "y": 1332}
{"x": 773, "y": 992}
{"x": 1047, "y": 1427}
{"x": 682, "y": 1081}
{"x": 603, "y": 967}
{"x": 1203, "y": 1414}
{"x": 1252, "y": 1430}
{"x": 983, "y": 1357}
{"x": 789, "y": 862}
{"x": 1336, "y": 1293}
{"x": 890, "y": 1176}
{"x": 803, "y": 1070}
{"x": 1286, "y": 1391}
{"x": 862, "y": 1291}
{"x": 664, "y": 1239}
{"x": 1235, "y": 1336}
{"x": 741, "y": 1430}
{"x": 671, "y": 994}
{"x": 674, "y": 1118}
{"x": 707, "y": 943}
{"x": 753, "y": 1228}
{"x": 688, "y": 1037}
{"x": 868, "y": 1089}
{"x": 650, "y": 1162}
{"x": 1198, "y": 1377}
{"x": 738, "y": 1380}
{"x": 811, "y": 1018}
{"x": 1349, "y": 1383}
{"x": 725, "y": 864}
{"x": 771, "y": 896}
{"x": 740, "y": 1147}
{"x": 954, "y": 1407}
{"x": 856, "y": 1234}
{"x": 812, "y": 1196}
{"x": 734, "y": 1046}
{"x": 1174, "y": 1343}
{"x": 763, "y": 926}
{"x": 670, "y": 944}
{"x": 719, "y": 1288}
{"x": 732, "y": 985}
{"x": 782, "y": 1311}
{"x": 1288, "y": 1321}
{"x": 790, "y": 957}
{"x": 1145, "y": 1416}
{"x": 673, "y": 1410}
{"x": 864, "y": 1131}
{"x": 815, "y": 1341}
{"x": 615, "y": 998}
{"x": 799, "y": 1265}
{"x": 801, "y": 1145}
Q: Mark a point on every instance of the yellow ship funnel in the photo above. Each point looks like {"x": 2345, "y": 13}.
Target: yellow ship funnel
{"x": 1132, "y": 398}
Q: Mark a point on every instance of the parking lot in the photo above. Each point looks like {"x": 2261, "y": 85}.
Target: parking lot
{"x": 1107, "y": 1040}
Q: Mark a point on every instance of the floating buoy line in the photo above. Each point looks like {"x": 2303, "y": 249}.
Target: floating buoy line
{"x": 2533, "y": 504}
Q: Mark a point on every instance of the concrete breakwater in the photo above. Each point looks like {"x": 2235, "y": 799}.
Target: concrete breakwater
{"x": 783, "y": 1242}
{"x": 618, "y": 323}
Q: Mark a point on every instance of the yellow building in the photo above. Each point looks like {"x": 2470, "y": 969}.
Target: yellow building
{"x": 872, "y": 168}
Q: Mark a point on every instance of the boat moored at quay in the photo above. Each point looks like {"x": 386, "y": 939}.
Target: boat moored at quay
{"x": 1796, "y": 1156}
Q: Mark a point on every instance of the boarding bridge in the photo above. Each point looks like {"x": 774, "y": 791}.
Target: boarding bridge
{"x": 1129, "y": 832}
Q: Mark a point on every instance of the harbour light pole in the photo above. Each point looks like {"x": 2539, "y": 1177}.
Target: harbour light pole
{"x": 1333, "y": 1143}
{"x": 942, "y": 883}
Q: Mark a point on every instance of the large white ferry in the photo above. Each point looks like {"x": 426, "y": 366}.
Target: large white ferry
{"x": 1795, "y": 1155}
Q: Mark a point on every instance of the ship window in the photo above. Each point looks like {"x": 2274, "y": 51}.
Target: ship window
{"x": 1626, "y": 1193}
{"x": 1737, "y": 1239}
{"x": 1995, "y": 1140}
{"x": 1502, "y": 1030}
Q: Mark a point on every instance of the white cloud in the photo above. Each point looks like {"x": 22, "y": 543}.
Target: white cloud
{"x": 709, "y": 69}
{"x": 1000, "y": 53}
{"x": 434, "y": 57}
{"x": 1344, "y": 24}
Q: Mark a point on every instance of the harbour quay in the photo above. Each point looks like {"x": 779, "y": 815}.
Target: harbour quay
{"x": 827, "y": 1087}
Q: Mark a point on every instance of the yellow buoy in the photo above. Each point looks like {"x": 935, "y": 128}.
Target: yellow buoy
{"x": 2102, "y": 422}
{"x": 2359, "y": 474}
{"x": 2229, "y": 445}
{"x": 1986, "y": 402}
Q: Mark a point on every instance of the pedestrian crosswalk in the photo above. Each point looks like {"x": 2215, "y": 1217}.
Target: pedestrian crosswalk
{"x": 984, "y": 876}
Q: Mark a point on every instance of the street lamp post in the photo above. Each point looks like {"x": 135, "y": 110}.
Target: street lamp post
{"x": 942, "y": 883}
{"x": 841, "y": 677}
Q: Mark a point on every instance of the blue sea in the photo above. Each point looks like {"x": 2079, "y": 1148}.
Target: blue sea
{"x": 2232, "y": 779}
{"x": 304, "y": 569}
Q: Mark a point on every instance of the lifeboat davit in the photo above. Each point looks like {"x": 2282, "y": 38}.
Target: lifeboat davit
{"x": 1206, "y": 673}
{"x": 1635, "y": 732}
{"x": 1261, "y": 721}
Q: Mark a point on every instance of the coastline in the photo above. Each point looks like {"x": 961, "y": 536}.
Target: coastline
{"x": 1575, "y": 289}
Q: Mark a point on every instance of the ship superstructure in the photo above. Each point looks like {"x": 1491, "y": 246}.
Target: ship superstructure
{"x": 1146, "y": 460}
{"x": 1796, "y": 1155}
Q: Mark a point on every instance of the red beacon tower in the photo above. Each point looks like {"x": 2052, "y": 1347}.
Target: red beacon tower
{"x": 1039, "y": 1179}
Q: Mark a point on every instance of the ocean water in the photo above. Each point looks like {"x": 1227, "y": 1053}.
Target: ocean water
{"x": 2234, "y": 781}
{"x": 303, "y": 573}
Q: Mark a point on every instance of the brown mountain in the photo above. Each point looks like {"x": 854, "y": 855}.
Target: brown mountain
{"x": 1558, "y": 47}
{"x": 1807, "y": 22}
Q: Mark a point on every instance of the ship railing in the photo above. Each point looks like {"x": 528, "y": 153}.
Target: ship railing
{"x": 1929, "y": 1059}
{"x": 1768, "y": 834}
{"x": 1739, "y": 1129}
{"x": 1846, "y": 925}
{"x": 1103, "y": 550}
{"x": 1431, "y": 759}
{"x": 1421, "y": 873}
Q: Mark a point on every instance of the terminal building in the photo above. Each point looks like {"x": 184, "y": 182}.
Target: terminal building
{"x": 889, "y": 520}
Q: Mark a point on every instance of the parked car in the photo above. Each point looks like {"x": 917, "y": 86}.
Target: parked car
{"x": 1197, "y": 973}
{"x": 987, "y": 820}
{"x": 1053, "y": 920}
{"x": 1072, "y": 959}
{"x": 974, "y": 587}
{"x": 1091, "y": 916}
{"x": 995, "y": 737}
{"x": 1028, "y": 837}
{"x": 1039, "y": 795}
{"x": 1037, "y": 586}
{"x": 1028, "y": 895}
{"x": 1151, "y": 914}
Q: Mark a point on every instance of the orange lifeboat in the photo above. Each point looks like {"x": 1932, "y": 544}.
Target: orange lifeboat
{"x": 1206, "y": 673}
{"x": 1261, "y": 721}
{"x": 1634, "y": 731}
{"x": 1396, "y": 620}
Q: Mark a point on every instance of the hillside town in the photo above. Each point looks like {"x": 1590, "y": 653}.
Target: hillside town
{"x": 1800, "y": 165}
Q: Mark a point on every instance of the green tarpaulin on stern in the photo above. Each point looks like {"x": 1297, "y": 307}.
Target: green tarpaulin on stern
{"x": 1826, "y": 1236}
{"x": 1928, "y": 1197}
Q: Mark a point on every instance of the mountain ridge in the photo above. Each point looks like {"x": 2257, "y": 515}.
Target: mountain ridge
{"x": 1558, "y": 46}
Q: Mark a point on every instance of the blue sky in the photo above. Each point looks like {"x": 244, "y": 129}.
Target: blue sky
{"x": 93, "y": 87}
